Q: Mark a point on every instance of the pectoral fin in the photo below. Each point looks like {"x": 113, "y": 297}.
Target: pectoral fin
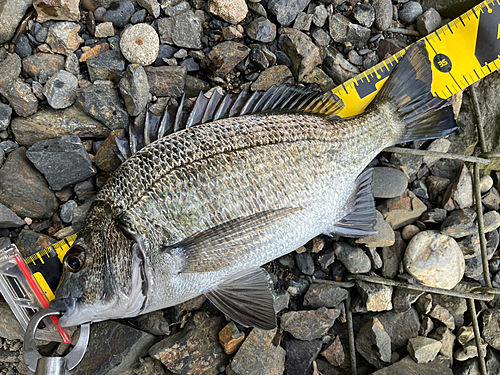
{"x": 246, "y": 298}
{"x": 224, "y": 244}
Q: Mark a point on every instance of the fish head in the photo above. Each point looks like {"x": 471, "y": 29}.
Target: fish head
{"x": 104, "y": 276}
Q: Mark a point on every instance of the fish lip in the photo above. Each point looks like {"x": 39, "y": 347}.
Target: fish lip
{"x": 67, "y": 306}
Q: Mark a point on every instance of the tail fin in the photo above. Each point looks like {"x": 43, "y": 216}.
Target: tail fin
{"x": 408, "y": 88}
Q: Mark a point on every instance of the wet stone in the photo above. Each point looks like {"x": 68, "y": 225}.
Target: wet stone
{"x": 324, "y": 295}
{"x": 183, "y": 30}
{"x": 108, "y": 65}
{"x": 60, "y": 89}
{"x": 460, "y": 223}
{"x": 300, "y": 356}
{"x": 262, "y": 30}
{"x": 286, "y": 11}
{"x": 113, "y": 349}
{"x": 356, "y": 59}
{"x": 410, "y": 11}
{"x": 154, "y": 323}
{"x": 23, "y": 189}
{"x": 195, "y": 349}
{"x": 274, "y": 76}
{"x": 134, "y": 88}
{"x": 388, "y": 182}
{"x": 67, "y": 208}
{"x": 119, "y": 13}
{"x": 102, "y": 103}
{"x": 305, "y": 263}
{"x": 374, "y": 344}
{"x": 224, "y": 57}
{"x": 423, "y": 349}
{"x": 373, "y": 297}
{"x": 231, "y": 338}
{"x": 309, "y": 325}
{"x": 63, "y": 37}
{"x": 166, "y": 80}
{"x": 232, "y": 11}
{"x": 364, "y": 14}
{"x": 140, "y": 44}
{"x": 383, "y": 14}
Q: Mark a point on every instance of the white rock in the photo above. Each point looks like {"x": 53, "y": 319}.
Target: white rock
{"x": 104, "y": 30}
{"x": 140, "y": 44}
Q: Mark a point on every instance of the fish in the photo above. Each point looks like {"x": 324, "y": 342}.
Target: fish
{"x": 199, "y": 211}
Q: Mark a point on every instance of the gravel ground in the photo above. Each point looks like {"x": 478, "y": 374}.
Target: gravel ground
{"x": 73, "y": 75}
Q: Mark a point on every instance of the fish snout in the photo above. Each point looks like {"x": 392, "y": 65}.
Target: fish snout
{"x": 63, "y": 305}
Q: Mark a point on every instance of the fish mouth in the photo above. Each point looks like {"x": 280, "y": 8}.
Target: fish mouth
{"x": 67, "y": 306}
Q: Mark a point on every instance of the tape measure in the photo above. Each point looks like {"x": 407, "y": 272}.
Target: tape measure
{"x": 462, "y": 52}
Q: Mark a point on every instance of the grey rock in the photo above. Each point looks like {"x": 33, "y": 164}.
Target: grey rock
{"x": 166, "y": 80}
{"x": 388, "y": 182}
{"x": 423, "y": 349}
{"x": 151, "y": 6}
{"x": 438, "y": 145}
{"x": 447, "y": 339}
{"x": 80, "y": 213}
{"x": 297, "y": 287}
{"x": 400, "y": 326}
{"x": 190, "y": 64}
{"x": 409, "y": 163}
{"x": 22, "y": 46}
{"x": 459, "y": 191}
{"x": 60, "y": 89}
{"x": 365, "y": 14}
{"x": 384, "y": 236}
{"x": 309, "y": 325}
{"x": 9, "y": 219}
{"x": 410, "y": 11}
{"x": 281, "y": 301}
{"x": 320, "y": 15}
{"x": 408, "y": 366}
{"x": 403, "y": 210}
{"x": 403, "y": 299}
{"x": 337, "y": 67}
{"x": 434, "y": 215}
{"x": 20, "y": 97}
{"x": 469, "y": 350}
{"x": 428, "y": 21}
{"x": 138, "y": 17}
{"x": 491, "y": 200}
{"x": 174, "y": 10}
{"x": 119, "y": 13}
{"x": 392, "y": 256}
{"x": 164, "y": 52}
{"x": 373, "y": 297}
{"x": 286, "y": 11}
{"x": 370, "y": 59}
{"x": 305, "y": 263}
{"x": 63, "y": 161}
{"x": 300, "y": 355}
{"x": 374, "y": 344}
{"x": 342, "y": 30}
{"x": 103, "y": 103}
{"x": 491, "y": 221}
{"x": 5, "y": 115}
{"x": 470, "y": 246}
{"x": 460, "y": 223}
{"x": 324, "y": 295}
{"x": 113, "y": 349}
{"x": 140, "y": 44}
{"x": 485, "y": 183}
{"x": 10, "y": 68}
{"x": 321, "y": 37}
{"x": 108, "y": 65}
{"x": 455, "y": 306}
{"x": 491, "y": 330}
{"x": 419, "y": 188}
{"x": 436, "y": 186}
{"x": 72, "y": 64}
{"x": 183, "y": 30}
{"x": 154, "y": 323}
{"x": 262, "y": 30}
{"x": 8, "y": 146}
{"x": 274, "y": 76}
{"x": 104, "y": 30}
{"x": 134, "y": 88}
{"x": 443, "y": 316}
{"x": 2, "y": 157}
{"x": 194, "y": 85}
{"x": 258, "y": 9}
{"x": 303, "y": 21}
{"x": 327, "y": 258}
{"x": 258, "y": 355}
{"x": 42, "y": 66}
{"x": 10, "y": 16}
{"x": 23, "y": 189}
{"x": 224, "y": 57}
{"x": 10, "y": 328}
{"x": 356, "y": 59}
{"x": 383, "y": 14}
{"x": 353, "y": 258}
{"x": 63, "y": 37}
{"x": 67, "y": 211}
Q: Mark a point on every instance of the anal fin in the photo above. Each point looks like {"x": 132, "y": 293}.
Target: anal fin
{"x": 246, "y": 298}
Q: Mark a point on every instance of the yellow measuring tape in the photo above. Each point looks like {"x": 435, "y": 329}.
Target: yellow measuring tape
{"x": 462, "y": 52}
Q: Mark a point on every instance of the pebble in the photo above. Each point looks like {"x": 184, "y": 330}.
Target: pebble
{"x": 309, "y": 325}
{"x": 274, "y": 76}
{"x": 108, "y": 65}
{"x": 67, "y": 208}
{"x": 383, "y": 14}
{"x": 10, "y": 17}
{"x": 402, "y": 210}
{"x": 134, "y": 89}
{"x": 428, "y": 22}
{"x": 22, "y": 46}
{"x": 409, "y": 231}
{"x": 104, "y": 30}
{"x": 491, "y": 200}
{"x": 320, "y": 15}
{"x": 491, "y": 327}
{"x": 63, "y": 37}
{"x": 5, "y": 116}
{"x": 324, "y": 295}
{"x": 374, "y": 344}
{"x": 356, "y": 59}
{"x": 373, "y": 297}
{"x": 140, "y": 44}
{"x": 183, "y": 30}
{"x": 384, "y": 236}
{"x": 353, "y": 258}
{"x": 485, "y": 184}
{"x": 438, "y": 145}
{"x": 460, "y": 223}
{"x": 232, "y": 11}
{"x": 460, "y": 191}
{"x": 423, "y": 349}
{"x": 258, "y": 9}
{"x": 305, "y": 263}
{"x": 300, "y": 355}
{"x": 410, "y": 11}
{"x": 365, "y": 14}
{"x": 231, "y": 338}
{"x": 342, "y": 30}
{"x": 443, "y": 316}
{"x": 139, "y": 16}
{"x": 60, "y": 89}
{"x": 392, "y": 256}
{"x": 388, "y": 182}
{"x": 303, "y": 21}
{"x": 166, "y": 80}
{"x": 434, "y": 259}
{"x": 286, "y": 11}
{"x": 224, "y": 57}
{"x": 106, "y": 158}
{"x": 119, "y": 13}
{"x": 258, "y": 355}
{"x": 151, "y": 6}
{"x": 335, "y": 353}
{"x": 491, "y": 221}
{"x": 262, "y": 30}
{"x": 337, "y": 67}
{"x": 8, "y": 219}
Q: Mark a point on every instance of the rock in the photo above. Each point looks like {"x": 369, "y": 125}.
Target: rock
{"x": 465, "y": 334}
{"x": 106, "y": 157}
{"x": 300, "y": 356}
{"x": 428, "y": 22}
{"x": 364, "y": 14}
{"x": 434, "y": 215}
{"x": 57, "y": 10}
{"x": 30, "y": 242}
{"x": 183, "y": 30}
{"x": 320, "y": 15}
{"x": 258, "y": 9}
{"x": 309, "y": 325}
{"x": 119, "y": 13}
{"x": 303, "y": 21}
{"x": 383, "y": 14}
{"x": 63, "y": 37}
{"x": 408, "y": 366}
{"x": 400, "y": 326}
{"x": 384, "y": 236}
{"x": 232, "y": 11}
{"x": 275, "y": 76}
{"x": 485, "y": 183}
{"x": 231, "y": 338}
{"x": 305, "y": 263}
{"x": 491, "y": 221}
{"x": 321, "y": 37}
{"x": 10, "y": 17}
{"x": 469, "y": 350}
{"x": 324, "y": 295}
{"x": 356, "y": 59}
{"x": 460, "y": 223}
{"x": 60, "y": 89}
{"x": 404, "y": 298}
{"x": 23, "y": 189}
{"x": 410, "y": 164}
{"x": 80, "y": 213}
{"x": 447, "y": 339}
{"x": 67, "y": 208}
{"x": 113, "y": 349}
{"x": 491, "y": 200}
{"x": 20, "y": 97}
{"x": 151, "y": 6}
{"x": 337, "y": 67}
{"x": 319, "y": 77}
{"x": 286, "y": 11}
{"x": 335, "y": 353}
{"x": 374, "y": 344}
{"x": 10, "y": 68}
{"x": 262, "y": 30}
{"x": 373, "y": 297}
{"x": 491, "y": 330}
{"x": 436, "y": 186}
{"x": 442, "y": 315}
{"x": 392, "y": 256}
{"x": 51, "y": 123}
{"x": 231, "y": 33}
{"x": 108, "y": 65}
{"x": 140, "y": 44}
{"x": 193, "y": 86}
{"x": 5, "y": 116}
{"x": 9, "y": 219}
{"x": 224, "y": 57}
{"x": 388, "y": 182}
{"x": 140, "y": 15}
{"x": 134, "y": 88}
{"x": 410, "y": 11}
{"x": 460, "y": 190}
{"x": 166, "y": 80}
{"x": 342, "y": 30}
{"x": 353, "y": 258}
{"x": 103, "y": 103}
{"x": 403, "y": 210}
{"x": 438, "y": 145}
{"x": 423, "y": 349}
{"x": 195, "y": 349}
{"x": 10, "y": 328}
{"x": 104, "y": 30}
{"x": 409, "y": 231}
{"x": 258, "y": 355}
{"x": 281, "y": 301}
{"x": 22, "y": 46}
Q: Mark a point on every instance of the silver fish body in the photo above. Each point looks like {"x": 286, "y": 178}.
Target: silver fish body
{"x": 193, "y": 212}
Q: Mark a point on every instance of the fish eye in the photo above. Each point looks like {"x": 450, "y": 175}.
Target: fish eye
{"x": 74, "y": 258}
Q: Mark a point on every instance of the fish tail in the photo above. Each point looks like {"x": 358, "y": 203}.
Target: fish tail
{"x": 409, "y": 90}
